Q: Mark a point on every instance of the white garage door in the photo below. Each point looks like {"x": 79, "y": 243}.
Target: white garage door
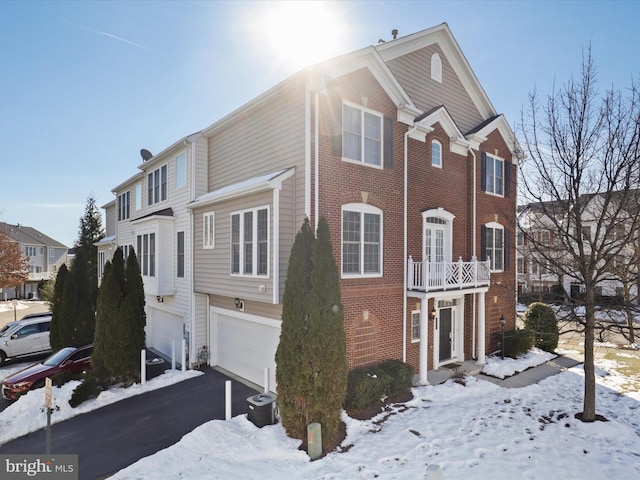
{"x": 162, "y": 329}
{"x": 245, "y": 344}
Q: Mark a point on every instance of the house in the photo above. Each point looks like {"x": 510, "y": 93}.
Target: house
{"x": 545, "y": 266}
{"x": 45, "y": 255}
{"x": 400, "y": 148}
{"x": 149, "y": 214}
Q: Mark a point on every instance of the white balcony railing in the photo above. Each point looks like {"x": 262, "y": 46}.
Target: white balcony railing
{"x": 432, "y": 276}
{"x": 36, "y": 277}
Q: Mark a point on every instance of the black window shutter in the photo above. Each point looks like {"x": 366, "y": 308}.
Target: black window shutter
{"x": 483, "y": 243}
{"x": 507, "y": 249}
{"x": 336, "y": 127}
{"x": 388, "y": 142}
{"x": 507, "y": 179}
{"x": 483, "y": 172}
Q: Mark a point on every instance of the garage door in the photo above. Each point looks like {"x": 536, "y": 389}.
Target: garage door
{"x": 162, "y": 329}
{"x": 245, "y": 344}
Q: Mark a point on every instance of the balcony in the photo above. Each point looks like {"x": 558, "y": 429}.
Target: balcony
{"x": 36, "y": 277}
{"x": 426, "y": 276}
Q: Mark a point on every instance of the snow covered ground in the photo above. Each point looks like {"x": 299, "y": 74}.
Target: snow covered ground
{"x": 475, "y": 431}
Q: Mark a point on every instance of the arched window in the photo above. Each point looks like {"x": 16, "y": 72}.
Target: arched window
{"x": 436, "y": 68}
{"x": 436, "y": 154}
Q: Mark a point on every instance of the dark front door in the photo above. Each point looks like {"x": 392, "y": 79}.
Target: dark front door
{"x": 445, "y": 334}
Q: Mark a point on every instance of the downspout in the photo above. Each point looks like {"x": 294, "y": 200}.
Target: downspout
{"x": 307, "y": 150}
{"x": 473, "y": 236}
{"x": 404, "y": 247}
{"x": 316, "y": 163}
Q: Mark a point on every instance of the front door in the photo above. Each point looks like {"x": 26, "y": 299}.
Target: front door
{"x": 434, "y": 242}
{"x": 446, "y": 334}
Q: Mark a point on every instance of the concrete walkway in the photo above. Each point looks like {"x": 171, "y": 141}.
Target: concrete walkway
{"x": 523, "y": 379}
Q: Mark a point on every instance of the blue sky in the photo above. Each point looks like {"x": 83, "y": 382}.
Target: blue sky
{"x": 85, "y": 85}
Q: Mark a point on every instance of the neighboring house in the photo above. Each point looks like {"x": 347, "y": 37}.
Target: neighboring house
{"x": 399, "y": 147}
{"x": 44, "y": 254}
{"x": 149, "y": 214}
{"x": 539, "y": 251}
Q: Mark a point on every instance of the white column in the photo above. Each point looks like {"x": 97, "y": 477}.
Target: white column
{"x": 481, "y": 329}
{"x": 424, "y": 342}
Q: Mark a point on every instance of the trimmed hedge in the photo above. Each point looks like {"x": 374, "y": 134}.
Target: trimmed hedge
{"x": 401, "y": 376}
{"x": 88, "y": 389}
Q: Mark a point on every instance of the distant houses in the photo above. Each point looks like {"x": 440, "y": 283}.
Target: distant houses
{"x": 44, "y": 254}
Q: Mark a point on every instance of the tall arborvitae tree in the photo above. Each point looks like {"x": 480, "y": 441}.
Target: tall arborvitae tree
{"x": 62, "y": 324}
{"x": 56, "y": 336}
{"x": 294, "y": 377}
{"x": 107, "y": 343}
{"x": 135, "y": 293}
{"x": 311, "y": 356}
{"x": 90, "y": 232}
{"x": 327, "y": 352}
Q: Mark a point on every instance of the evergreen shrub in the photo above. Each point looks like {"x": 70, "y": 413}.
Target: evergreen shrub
{"x": 517, "y": 342}
{"x": 401, "y": 376}
{"x": 365, "y": 386}
{"x": 541, "y": 321}
{"x": 88, "y": 389}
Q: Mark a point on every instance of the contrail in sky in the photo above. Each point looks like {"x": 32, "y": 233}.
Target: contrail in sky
{"x": 111, "y": 35}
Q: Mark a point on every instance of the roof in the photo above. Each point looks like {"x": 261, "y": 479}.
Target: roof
{"x": 29, "y": 236}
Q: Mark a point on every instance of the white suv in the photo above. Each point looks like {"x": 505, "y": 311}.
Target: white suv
{"x": 25, "y": 337}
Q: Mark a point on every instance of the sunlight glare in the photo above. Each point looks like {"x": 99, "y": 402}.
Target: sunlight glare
{"x": 295, "y": 34}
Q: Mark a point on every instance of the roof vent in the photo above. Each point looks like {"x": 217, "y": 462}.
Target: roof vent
{"x": 394, "y": 33}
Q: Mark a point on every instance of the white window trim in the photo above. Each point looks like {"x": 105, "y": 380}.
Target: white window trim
{"x": 362, "y": 208}
{"x": 496, "y": 226}
{"x": 437, "y": 165}
{"x": 496, "y": 158}
{"x": 254, "y": 241}
{"x": 448, "y": 217}
{"x": 413, "y": 339}
{"x": 153, "y": 173}
{"x": 372, "y": 112}
{"x": 208, "y": 241}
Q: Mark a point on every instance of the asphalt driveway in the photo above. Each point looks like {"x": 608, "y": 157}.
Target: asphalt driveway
{"x": 113, "y": 437}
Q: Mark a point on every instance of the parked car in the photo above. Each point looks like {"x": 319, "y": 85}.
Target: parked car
{"x": 25, "y": 337}
{"x": 36, "y": 315}
{"x": 69, "y": 359}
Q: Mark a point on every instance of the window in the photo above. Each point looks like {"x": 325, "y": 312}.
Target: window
{"x": 157, "y": 185}
{"x": 208, "y": 239}
{"x": 101, "y": 261}
{"x": 362, "y": 136}
{"x": 52, "y": 253}
{"x": 436, "y": 154}
{"x": 493, "y": 175}
{"x": 147, "y": 254}
{"x": 124, "y": 206}
{"x": 436, "y": 68}
{"x": 520, "y": 265}
{"x": 138, "y": 196}
{"x": 415, "y": 326}
{"x": 41, "y": 251}
{"x": 361, "y": 240}
{"x": 181, "y": 170}
{"x": 180, "y": 244}
{"x": 250, "y": 242}
{"x": 493, "y": 240}
{"x": 30, "y": 251}
{"x": 520, "y": 238}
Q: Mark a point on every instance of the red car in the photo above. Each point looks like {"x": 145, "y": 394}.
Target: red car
{"x": 72, "y": 359}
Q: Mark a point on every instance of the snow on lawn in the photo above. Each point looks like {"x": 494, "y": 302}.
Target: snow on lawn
{"x": 22, "y": 416}
{"x": 496, "y": 367}
{"x": 477, "y": 431}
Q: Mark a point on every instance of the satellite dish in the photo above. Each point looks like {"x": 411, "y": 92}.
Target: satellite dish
{"x": 145, "y": 154}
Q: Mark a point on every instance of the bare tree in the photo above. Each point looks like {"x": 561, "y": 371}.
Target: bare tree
{"x": 14, "y": 267}
{"x": 582, "y": 173}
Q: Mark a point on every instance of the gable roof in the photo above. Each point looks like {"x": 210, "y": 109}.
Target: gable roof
{"x": 29, "y": 236}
